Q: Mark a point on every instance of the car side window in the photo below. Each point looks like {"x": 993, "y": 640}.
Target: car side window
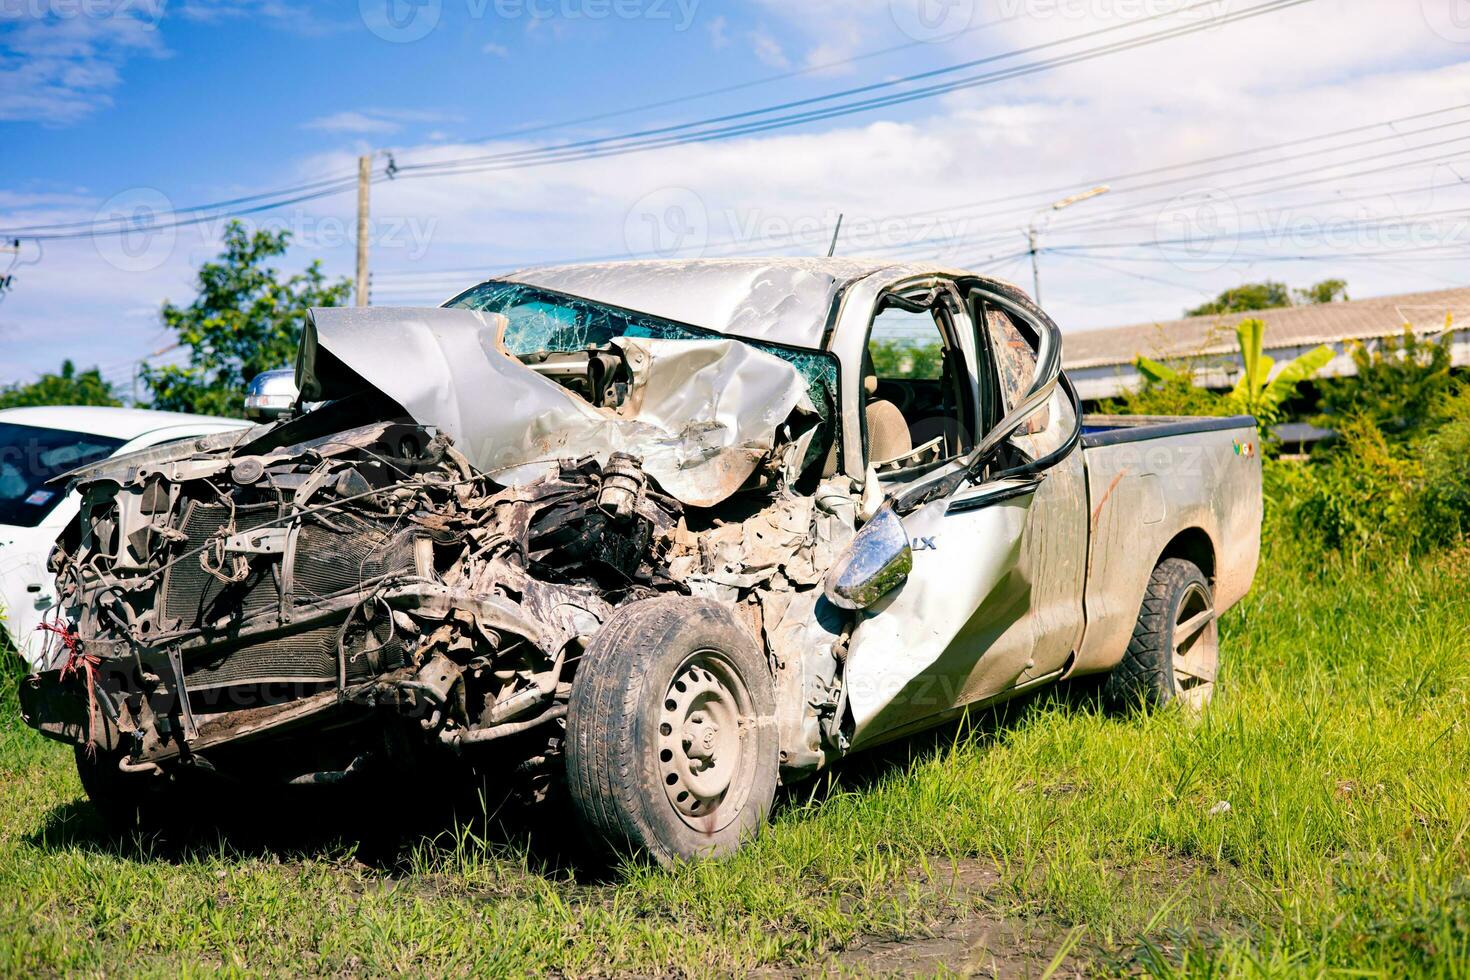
{"x": 1015, "y": 365}
{"x": 905, "y": 345}
{"x": 917, "y": 402}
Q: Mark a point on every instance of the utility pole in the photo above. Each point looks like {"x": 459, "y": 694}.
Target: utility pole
{"x": 12, "y": 248}
{"x": 1035, "y": 266}
{"x": 364, "y": 179}
{"x": 1033, "y": 233}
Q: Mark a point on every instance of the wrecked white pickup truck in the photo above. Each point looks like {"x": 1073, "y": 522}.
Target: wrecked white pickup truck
{"x": 661, "y": 535}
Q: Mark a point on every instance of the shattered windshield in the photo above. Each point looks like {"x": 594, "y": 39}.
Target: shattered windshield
{"x": 543, "y": 320}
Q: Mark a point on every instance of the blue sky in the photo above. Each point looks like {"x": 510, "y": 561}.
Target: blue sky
{"x": 187, "y": 101}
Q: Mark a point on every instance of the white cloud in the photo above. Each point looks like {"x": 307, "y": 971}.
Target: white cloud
{"x": 839, "y": 29}
{"x": 370, "y": 121}
{"x": 62, "y": 60}
{"x": 768, "y": 49}
{"x": 60, "y": 63}
{"x": 352, "y": 122}
{"x": 719, "y": 32}
{"x": 303, "y": 19}
{"x": 498, "y": 50}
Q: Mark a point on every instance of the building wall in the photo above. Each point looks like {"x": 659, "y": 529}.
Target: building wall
{"x": 1109, "y": 381}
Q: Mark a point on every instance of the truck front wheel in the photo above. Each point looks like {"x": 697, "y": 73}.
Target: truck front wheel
{"x": 1175, "y": 649}
{"x": 671, "y": 736}
{"x": 124, "y": 801}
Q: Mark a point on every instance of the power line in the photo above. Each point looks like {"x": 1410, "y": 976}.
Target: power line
{"x": 1084, "y": 225}
{"x": 638, "y": 141}
{"x": 630, "y": 143}
{"x": 141, "y": 226}
{"x": 333, "y": 183}
{"x": 738, "y": 86}
{"x": 841, "y": 94}
{"x": 1107, "y": 222}
{"x": 812, "y": 239}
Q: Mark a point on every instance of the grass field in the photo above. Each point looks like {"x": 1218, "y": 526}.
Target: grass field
{"x": 1045, "y": 837}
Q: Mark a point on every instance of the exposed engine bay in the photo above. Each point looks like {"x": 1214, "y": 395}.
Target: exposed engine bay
{"x": 430, "y": 579}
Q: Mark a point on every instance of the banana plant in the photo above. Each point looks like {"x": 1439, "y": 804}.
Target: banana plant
{"x": 1257, "y": 392}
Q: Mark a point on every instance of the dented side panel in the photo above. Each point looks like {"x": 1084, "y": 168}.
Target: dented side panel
{"x": 959, "y": 630}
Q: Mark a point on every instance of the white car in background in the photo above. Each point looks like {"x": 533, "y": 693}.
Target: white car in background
{"x": 37, "y": 444}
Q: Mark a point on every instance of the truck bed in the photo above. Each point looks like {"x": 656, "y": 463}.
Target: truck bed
{"x": 1160, "y": 487}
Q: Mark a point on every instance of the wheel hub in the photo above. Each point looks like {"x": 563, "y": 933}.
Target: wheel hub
{"x": 700, "y": 738}
{"x": 1196, "y": 653}
{"x": 702, "y": 734}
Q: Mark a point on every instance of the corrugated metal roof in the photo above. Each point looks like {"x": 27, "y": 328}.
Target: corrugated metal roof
{"x": 1297, "y": 326}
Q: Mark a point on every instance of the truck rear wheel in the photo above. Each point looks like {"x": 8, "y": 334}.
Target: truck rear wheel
{"x": 671, "y": 736}
{"x": 1174, "y": 653}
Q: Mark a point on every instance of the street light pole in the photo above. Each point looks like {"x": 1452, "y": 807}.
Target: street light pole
{"x": 1033, "y": 232}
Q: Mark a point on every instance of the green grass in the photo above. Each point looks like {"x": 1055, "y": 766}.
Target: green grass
{"x": 1339, "y": 741}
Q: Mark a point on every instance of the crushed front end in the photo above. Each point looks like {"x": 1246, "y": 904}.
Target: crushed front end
{"x": 368, "y": 586}
{"x": 420, "y": 564}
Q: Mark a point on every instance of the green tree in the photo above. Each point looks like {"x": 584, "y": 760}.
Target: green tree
{"x": 245, "y": 320}
{"x": 1271, "y": 295}
{"x": 897, "y": 359}
{"x": 1399, "y": 385}
{"x": 1245, "y": 297}
{"x": 67, "y": 387}
{"x": 1326, "y": 291}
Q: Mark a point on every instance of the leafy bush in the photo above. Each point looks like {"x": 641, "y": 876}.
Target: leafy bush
{"x": 1360, "y": 497}
{"x": 67, "y": 387}
{"x": 1393, "y": 483}
{"x": 1369, "y": 494}
{"x": 1271, "y": 295}
{"x": 898, "y": 359}
{"x": 1168, "y": 396}
{"x": 1399, "y": 385}
{"x": 1444, "y": 511}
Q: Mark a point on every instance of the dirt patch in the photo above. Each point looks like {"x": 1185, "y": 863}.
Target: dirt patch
{"x": 969, "y": 931}
{"x": 964, "y": 937}
{"x": 979, "y": 944}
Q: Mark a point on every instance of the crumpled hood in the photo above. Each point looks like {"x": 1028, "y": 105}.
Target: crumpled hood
{"x": 701, "y": 414}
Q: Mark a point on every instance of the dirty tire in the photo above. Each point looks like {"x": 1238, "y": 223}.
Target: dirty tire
{"x": 124, "y": 801}
{"x": 1170, "y": 657}
{"x": 671, "y": 738}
